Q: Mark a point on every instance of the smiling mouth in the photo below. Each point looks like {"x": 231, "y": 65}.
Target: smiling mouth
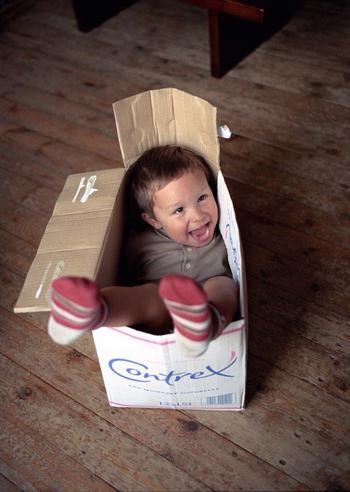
{"x": 201, "y": 233}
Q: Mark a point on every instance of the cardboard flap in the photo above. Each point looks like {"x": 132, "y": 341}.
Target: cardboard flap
{"x": 166, "y": 116}
{"x": 77, "y": 237}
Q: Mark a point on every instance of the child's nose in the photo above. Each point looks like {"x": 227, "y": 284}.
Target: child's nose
{"x": 197, "y": 215}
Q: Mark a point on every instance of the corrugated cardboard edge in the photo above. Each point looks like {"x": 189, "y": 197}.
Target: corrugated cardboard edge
{"x": 243, "y": 302}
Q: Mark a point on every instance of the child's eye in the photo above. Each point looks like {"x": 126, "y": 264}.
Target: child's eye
{"x": 203, "y": 197}
{"x": 179, "y": 210}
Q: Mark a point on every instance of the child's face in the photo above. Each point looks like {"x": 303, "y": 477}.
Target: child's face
{"x": 186, "y": 210}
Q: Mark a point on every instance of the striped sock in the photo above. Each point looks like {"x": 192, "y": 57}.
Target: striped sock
{"x": 77, "y": 306}
{"x": 196, "y": 321}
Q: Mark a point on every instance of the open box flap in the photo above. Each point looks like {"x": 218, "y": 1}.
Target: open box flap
{"x": 166, "y": 117}
{"x": 81, "y": 237}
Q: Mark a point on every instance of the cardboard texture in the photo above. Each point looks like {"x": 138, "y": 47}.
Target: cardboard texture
{"x": 79, "y": 239}
{"x": 84, "y": 235}
{"x": 166, "y": 116}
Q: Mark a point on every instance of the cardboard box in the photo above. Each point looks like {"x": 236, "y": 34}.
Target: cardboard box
{"x": 84, "y": 237}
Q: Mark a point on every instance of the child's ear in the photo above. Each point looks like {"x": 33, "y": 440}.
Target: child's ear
{"x": 151, "y": 221}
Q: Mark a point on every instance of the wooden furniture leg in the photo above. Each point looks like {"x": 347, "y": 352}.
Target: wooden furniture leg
{"x": 232, "y": 38}
{"x": 91, "y": 14}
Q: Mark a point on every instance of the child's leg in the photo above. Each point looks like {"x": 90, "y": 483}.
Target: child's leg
{"x": 222, "y": 293}
{"x": 136, "y": 305}
{"x": 199, "y": 314}
{"x": 78, "y": 306}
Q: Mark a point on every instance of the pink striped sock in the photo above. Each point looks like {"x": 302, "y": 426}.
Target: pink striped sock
{"x": 195, "y": 320}
{"x": 77, "y": 306}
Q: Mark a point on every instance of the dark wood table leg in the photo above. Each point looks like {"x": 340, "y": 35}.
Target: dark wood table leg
{"x": 232, "y": 38}
{"x": 91, "y": 14}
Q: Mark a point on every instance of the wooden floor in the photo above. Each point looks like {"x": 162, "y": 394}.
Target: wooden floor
{"x": 288, "y": 104}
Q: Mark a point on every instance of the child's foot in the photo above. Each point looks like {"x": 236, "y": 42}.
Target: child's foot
{"x": 77, "y": 306}
{"x": 195, "y": 320}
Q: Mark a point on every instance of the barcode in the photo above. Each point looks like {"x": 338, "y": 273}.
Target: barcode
{"x": 220, "y": 399}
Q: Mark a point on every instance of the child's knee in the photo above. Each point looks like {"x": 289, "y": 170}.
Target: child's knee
{"x": 226, "y": 284}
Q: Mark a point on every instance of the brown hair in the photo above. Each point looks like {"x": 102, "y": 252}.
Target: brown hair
{"x": 156, "y": 167}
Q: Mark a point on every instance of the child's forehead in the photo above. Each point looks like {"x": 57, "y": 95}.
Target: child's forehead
{"x": 185, "y": 176}
{"x": 191, "y": 181}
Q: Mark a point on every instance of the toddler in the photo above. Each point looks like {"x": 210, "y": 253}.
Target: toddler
{"x": 177, "y": 266}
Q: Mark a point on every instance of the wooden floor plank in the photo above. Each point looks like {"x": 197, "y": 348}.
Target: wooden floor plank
{"x": 305, "y": 115}
{"x": 19, "y": 220}
{"x": 58, "y": 157}
{"x": 19, "y": 253}
{"x": 87, "y": 117}
{"x": 325, "y": 257}
{"x": 40, "y": 464}
{"x": 281, "y": 210}
{"x": 312, "y": 48}
{"x": 6, "y": 484}
{"x": 81, "y": 437}
{"x": 17, "y": 159}
{"x": 66, "y": 369}
{"x": 282, "y": 181}
{"x": 327, "y": 83}
{"x": 317, "y": 166}
{"x": 337, "y": 160}
{"x": 315, "y": 323}
{"x": 287, "y": 410}
{"x": 60, "y": 130}
{"x": 299, "y": 125}
{"x": 308, "y": 283}
{"x": 293, "y": 188}
{"x": 320, "y": 366}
